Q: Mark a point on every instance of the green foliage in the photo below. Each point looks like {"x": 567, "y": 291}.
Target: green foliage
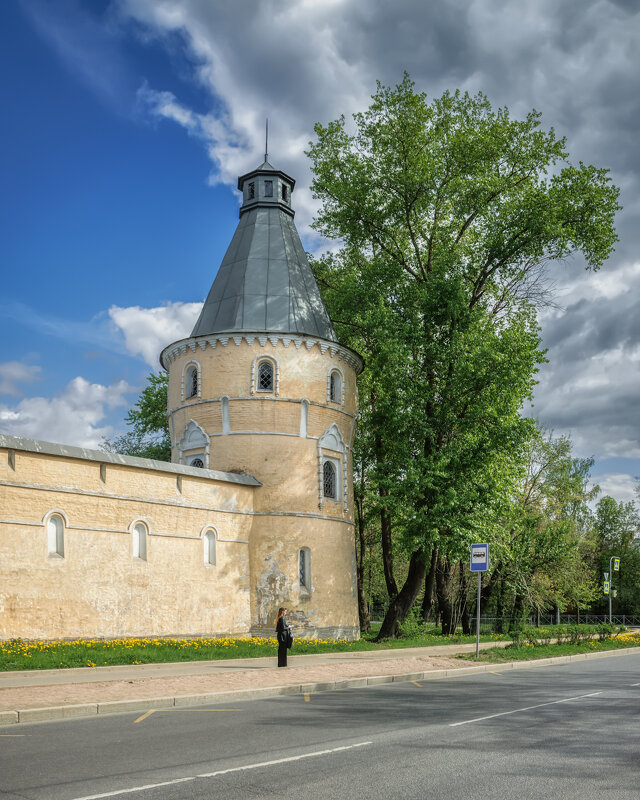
{"x": 448, "y": 213}
{"x": 616, "y": 528}
{"x": 149, "y": 434}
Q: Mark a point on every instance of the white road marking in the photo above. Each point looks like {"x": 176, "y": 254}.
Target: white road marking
{"x": 634, "y": 684}
{"x": 223, "y": 772}
{"x": 518, "y": 710}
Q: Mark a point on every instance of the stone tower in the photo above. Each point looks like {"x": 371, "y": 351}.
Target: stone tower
{"x": 263, "y": 386}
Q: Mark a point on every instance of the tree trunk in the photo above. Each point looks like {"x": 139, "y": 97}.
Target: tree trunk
{"x": 363, "y": 604}
{"x": 464, "y": 617}
{"x": 517, "y": 612}
{"x": 443, "y": 592}
{"x": 403, "y": 602}
{"x": 429, "y": 586}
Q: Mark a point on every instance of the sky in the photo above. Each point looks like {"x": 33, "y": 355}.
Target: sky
{"x": 126, "y": 123}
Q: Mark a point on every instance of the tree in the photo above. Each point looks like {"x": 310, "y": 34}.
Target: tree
{"x": 149, "y": 434}
{"x": 617, "y": 526}
{"x": 448, "y": 213}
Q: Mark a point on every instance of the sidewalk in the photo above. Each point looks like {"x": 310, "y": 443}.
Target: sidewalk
{"x": 38, "y": 695}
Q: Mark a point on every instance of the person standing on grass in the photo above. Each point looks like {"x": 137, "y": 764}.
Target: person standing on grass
{"x": 284, "y": 635}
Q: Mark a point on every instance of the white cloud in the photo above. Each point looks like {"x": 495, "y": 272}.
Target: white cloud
{"x": 148, "y": 330}
{"x": 75, "y": 416}
{"x": 622, "y": 487}
{"x": 13, "y": 373}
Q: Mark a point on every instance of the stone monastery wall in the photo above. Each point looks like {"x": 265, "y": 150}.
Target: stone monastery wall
{"x": 110, "y": 579}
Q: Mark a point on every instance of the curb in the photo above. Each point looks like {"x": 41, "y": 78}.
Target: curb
{"x": 55, "y": 713}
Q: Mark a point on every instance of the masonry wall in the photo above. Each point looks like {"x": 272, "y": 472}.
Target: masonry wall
{"x": 281, "y": 438}
{"x": 98, "y": 588}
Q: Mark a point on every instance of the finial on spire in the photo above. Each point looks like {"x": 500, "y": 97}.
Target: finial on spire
{"x": 266, "y": 139}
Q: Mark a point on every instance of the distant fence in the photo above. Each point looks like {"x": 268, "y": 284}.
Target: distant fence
{"x": 533, "y": 620}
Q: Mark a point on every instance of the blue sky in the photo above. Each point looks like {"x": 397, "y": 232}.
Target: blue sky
{"x": 126, "y": 123}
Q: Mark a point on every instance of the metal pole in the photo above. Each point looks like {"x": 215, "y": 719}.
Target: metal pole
{"x": 610, "y": 585}
{"x": 478, "y": 616}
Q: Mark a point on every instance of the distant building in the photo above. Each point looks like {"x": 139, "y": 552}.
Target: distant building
{"x": 255, "y": 510}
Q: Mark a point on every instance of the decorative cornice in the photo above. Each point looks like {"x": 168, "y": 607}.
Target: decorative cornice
{"x": 191, "y": 345}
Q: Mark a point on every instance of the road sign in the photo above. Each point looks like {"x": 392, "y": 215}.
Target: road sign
{"x": 479, "y": 557}
{"x": 606, "y": 576}
{"x": 616, "y": 564}
{"x": 606, "y": 587}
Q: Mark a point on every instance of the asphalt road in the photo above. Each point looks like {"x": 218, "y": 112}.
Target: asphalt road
{"x": 562, "y": 732}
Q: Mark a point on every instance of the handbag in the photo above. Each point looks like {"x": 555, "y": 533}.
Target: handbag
{"x": 289, "y": 637}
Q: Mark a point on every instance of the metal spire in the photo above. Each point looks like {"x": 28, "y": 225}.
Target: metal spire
{"x": 266, "y": 139}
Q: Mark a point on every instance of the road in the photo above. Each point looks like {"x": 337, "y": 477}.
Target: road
{"x": 563, "y": 732}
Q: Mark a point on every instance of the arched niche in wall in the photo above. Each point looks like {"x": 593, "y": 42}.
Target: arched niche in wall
{"x": 194, "y": 442}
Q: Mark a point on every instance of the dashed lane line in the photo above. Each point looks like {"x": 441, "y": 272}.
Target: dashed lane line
{"x": 518, "y": 710}
{"x": 259, "y": 765}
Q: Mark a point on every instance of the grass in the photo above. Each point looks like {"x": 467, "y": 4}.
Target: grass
{"x": 529, "y": 650}
{"x": 20, "y": 654}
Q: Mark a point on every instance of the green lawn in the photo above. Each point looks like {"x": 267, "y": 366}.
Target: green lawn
{"x": 529, "y": 651}
{"x": 19, "y": 654}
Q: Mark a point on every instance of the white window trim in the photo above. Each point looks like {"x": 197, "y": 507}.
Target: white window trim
{"x": 184, "y": 446}
{"x": 134, "y": 542}
{"x": 55, "y": 553}
{"x": 205, "y": 550}
{"x": 305, "y": 588}
{"x": 339, "y": 402}
{"x": 254, "y": 376}
{"x": 332, "y": 440}
{"x": 191, "y": 363}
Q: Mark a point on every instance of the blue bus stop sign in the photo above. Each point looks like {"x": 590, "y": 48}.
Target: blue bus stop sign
{"x": 479, "y": 557}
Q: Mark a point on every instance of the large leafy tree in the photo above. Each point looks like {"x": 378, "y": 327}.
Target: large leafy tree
{"x": 447, "y": 213}
{"x": 617, "y": 527}
{"x": 148, "y": 434}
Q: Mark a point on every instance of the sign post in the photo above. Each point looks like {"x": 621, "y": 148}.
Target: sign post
{"x": 614, "y": 566}
{"x": 479, "y": 564}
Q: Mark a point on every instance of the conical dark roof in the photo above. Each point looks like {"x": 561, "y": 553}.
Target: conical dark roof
{"x": 265, "y": 283}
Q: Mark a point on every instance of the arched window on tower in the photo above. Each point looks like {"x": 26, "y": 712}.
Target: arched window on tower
{"x": 265, "y": 376}
{"x": 191, "y": 382}
{"x": 329, "y": 482}
{"x": 304, "y": 570}
{"x": 335, "y": 387}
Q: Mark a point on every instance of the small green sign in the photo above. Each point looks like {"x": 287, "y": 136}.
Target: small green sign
{"x": 616, "y": 564}
{"x": 606, "y": 587}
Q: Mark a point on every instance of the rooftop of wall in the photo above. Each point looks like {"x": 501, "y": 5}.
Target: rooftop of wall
{"x": 53, "y": 449}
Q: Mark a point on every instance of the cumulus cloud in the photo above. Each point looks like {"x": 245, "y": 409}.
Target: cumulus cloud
{"x": 618, "y": 485}
{"x": 148, "y": 330}
{"x": 14, "y": 373}
{"x": 76, "y": 416}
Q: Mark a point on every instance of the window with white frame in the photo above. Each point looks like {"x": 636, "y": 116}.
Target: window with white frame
{"x": 264, "y": 378}
{"x": 304, "y": 569}
{"x": 210, "y": 548}
{"x": 335, "y": 386}
{"x": 330, "y": 479}
{"x": 191, "y": 382}
{"x": 140, "y": 541}
{"x": 55, "y": 536}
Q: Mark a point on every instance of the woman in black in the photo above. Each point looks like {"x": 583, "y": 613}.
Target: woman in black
{"x": 283, "y": 632}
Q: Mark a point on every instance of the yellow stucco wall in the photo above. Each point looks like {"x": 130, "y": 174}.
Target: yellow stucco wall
{"x": 98, "y": 588}
{"x": 265, "y": 437}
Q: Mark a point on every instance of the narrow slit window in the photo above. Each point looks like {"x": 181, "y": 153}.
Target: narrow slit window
{"x": 335, "y": 387}
{"x": 140, "y": 542}
{"x": 55, "y": 535}
{"x": 251, "y": 192}
{"x": 329, "y": 483}
{"x": 191, "y": 382}
{"x": 210, "y": 548}
{"x": 268, "y": 188}
{"x": 265, "y": 376}
{"x": 285, "y": 192}
{"x": 304, "y": 569}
